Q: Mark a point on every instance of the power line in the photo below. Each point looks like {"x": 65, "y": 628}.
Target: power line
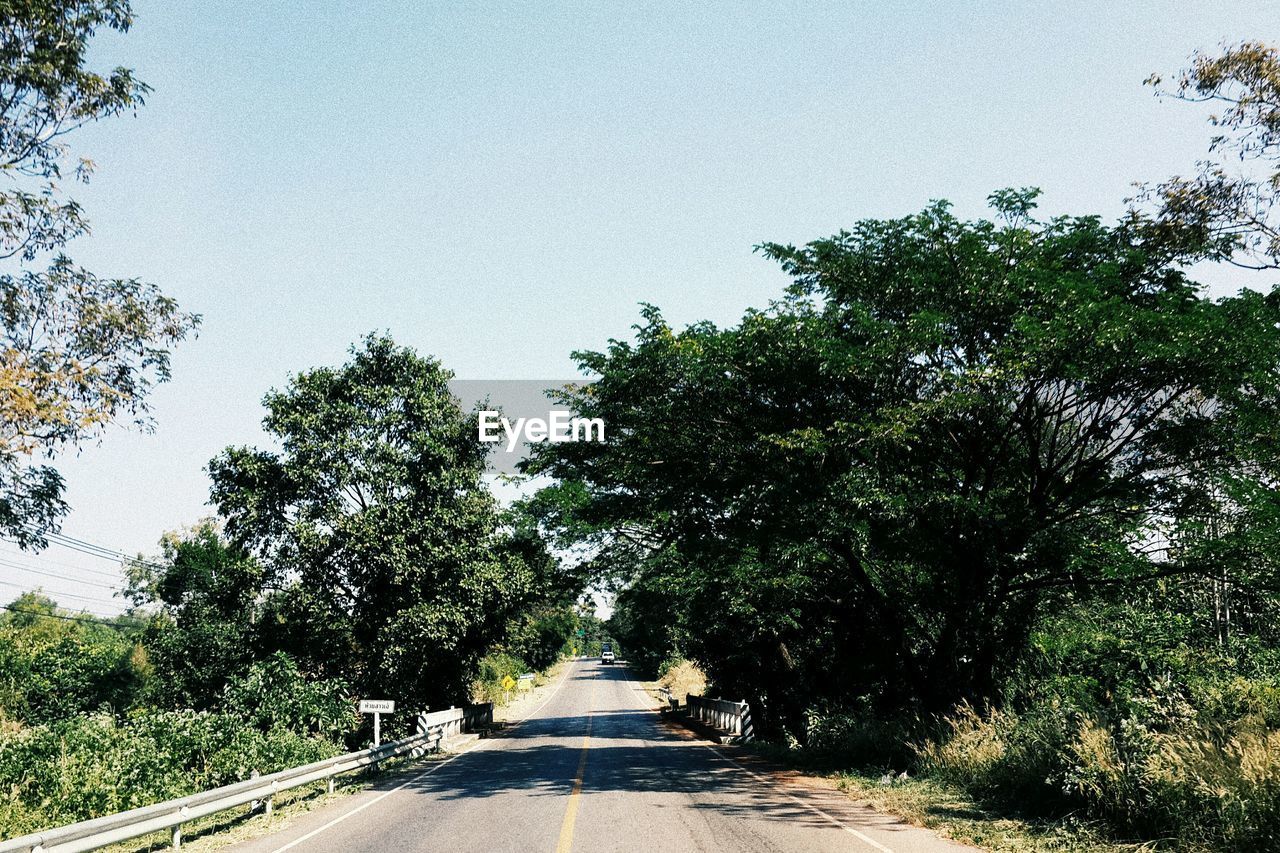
{"x": 42, "y": 558}
{"x": 86, "y": 547}
{"x": 97, "y": 550}
{"x": 25, "y": 568}
{"x": 101, "y": 620}
{"x": 26, "y": 588}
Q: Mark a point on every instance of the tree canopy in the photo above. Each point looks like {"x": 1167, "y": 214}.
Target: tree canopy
{"x": 1227, "y": 207}
{"x": 374, "y": 518}
{"x": 77, "y": 351}
{"x": 876, "y": 485}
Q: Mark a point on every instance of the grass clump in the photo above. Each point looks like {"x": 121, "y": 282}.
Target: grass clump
{"x": 682, "y": 677}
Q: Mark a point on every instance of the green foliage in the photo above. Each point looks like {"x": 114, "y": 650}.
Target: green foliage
{"x": 91, "y": 765}
{"x": 77, "y": 352}
{"x": 1201, "y": 785}
{"x": 374, "y": 519}
{"x": 210, "y": 615}
{"x": 52, "y": 668}
{"x": 855, "y": 736}
{"x": 642, "y": 621}
{"x": 495, "y": 667}
{"x": 541, "y": 637}
{"x": 274, "y": 694}
{"x": 944, "y": 429}
{"x": 545, "y": 627}
{"x": 1125, "y": 711}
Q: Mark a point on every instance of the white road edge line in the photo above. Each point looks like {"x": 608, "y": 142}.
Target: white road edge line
{"x": 810, "y": 806}
{"x": 477, "y": 745}
{"x": 771, "y": 783}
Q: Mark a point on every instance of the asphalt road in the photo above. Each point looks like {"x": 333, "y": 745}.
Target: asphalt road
{"x": 594, "y": 768}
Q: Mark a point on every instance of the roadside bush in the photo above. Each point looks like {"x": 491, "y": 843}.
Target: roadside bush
{"x": 1164, "y": 769}
{"x": 540, "y": 639}
{"x": 856, "y": 738}
{"x": 1225, "y": 793}
{"x": 1001, "y": 756}
{"x": 1201, "y": 787}
{"x": 1119, "y": 713}
{"x": 273, "y": 693}
{"x": 54, "y": 668}
{"x": 972, "y": 752}
{"x": 95, "y": 764}
{"x": 682, "y": 677}
{"x": 1110, "y": 773}
{"x": 494, "y": 667}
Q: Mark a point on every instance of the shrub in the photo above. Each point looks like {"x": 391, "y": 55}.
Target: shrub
{"x": 1225, "y": 793}
{"x": 1198, "y": 785}
{"x": 494, "y": 667}
{"x": 540, "y": 639}
{"x": 95, "y": 764}
{"x": 54, "y": 668}
{"x": 682, "y": 677}
{"x": 972, "y": 753}
{"x": 858, "y": 739}
{"x": 273, "y": 693}
{"x": 1018, "y": 761}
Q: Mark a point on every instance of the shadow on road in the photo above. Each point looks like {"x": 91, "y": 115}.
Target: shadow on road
{"x": 631, "y": 752}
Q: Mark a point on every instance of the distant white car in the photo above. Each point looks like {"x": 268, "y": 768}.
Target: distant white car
{"x": 606, "y": 656}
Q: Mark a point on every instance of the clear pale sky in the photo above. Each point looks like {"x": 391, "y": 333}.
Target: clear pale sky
{"x": 498, "y": 184}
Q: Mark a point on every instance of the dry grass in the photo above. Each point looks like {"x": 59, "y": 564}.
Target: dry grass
{"x": 973, "y": 746}
{"x": 683, "y": 678}
{"x": 948, "y": 811}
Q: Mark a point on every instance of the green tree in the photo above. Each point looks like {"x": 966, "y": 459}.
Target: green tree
{"x": 375, "y": 517}
{"x": 210, "y": 596}
{"x": 77, "y": 352}
{"x": 943, "y": 429}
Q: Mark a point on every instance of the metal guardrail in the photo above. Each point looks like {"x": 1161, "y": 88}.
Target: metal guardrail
{"x": 732, "y": 717}
{"x": 172, "y": 814}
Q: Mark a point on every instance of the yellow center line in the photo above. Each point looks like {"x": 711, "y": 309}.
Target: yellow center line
{"x": 565, "y": 844}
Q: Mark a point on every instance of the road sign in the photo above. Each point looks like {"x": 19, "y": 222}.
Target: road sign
{"x": 526, "y": 681}
{"x": 508, "y": 682}
{"x": 377, "y": 707}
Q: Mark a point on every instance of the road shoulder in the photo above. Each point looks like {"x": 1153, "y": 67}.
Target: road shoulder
{"x": 875, "y": 828}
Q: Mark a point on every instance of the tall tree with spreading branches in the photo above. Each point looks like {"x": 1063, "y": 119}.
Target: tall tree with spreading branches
{"x": 77, "y": 351}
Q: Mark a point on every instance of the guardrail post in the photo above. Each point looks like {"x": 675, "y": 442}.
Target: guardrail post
{"x": 330, "y": 784}
{"x": 176, "y": 840}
